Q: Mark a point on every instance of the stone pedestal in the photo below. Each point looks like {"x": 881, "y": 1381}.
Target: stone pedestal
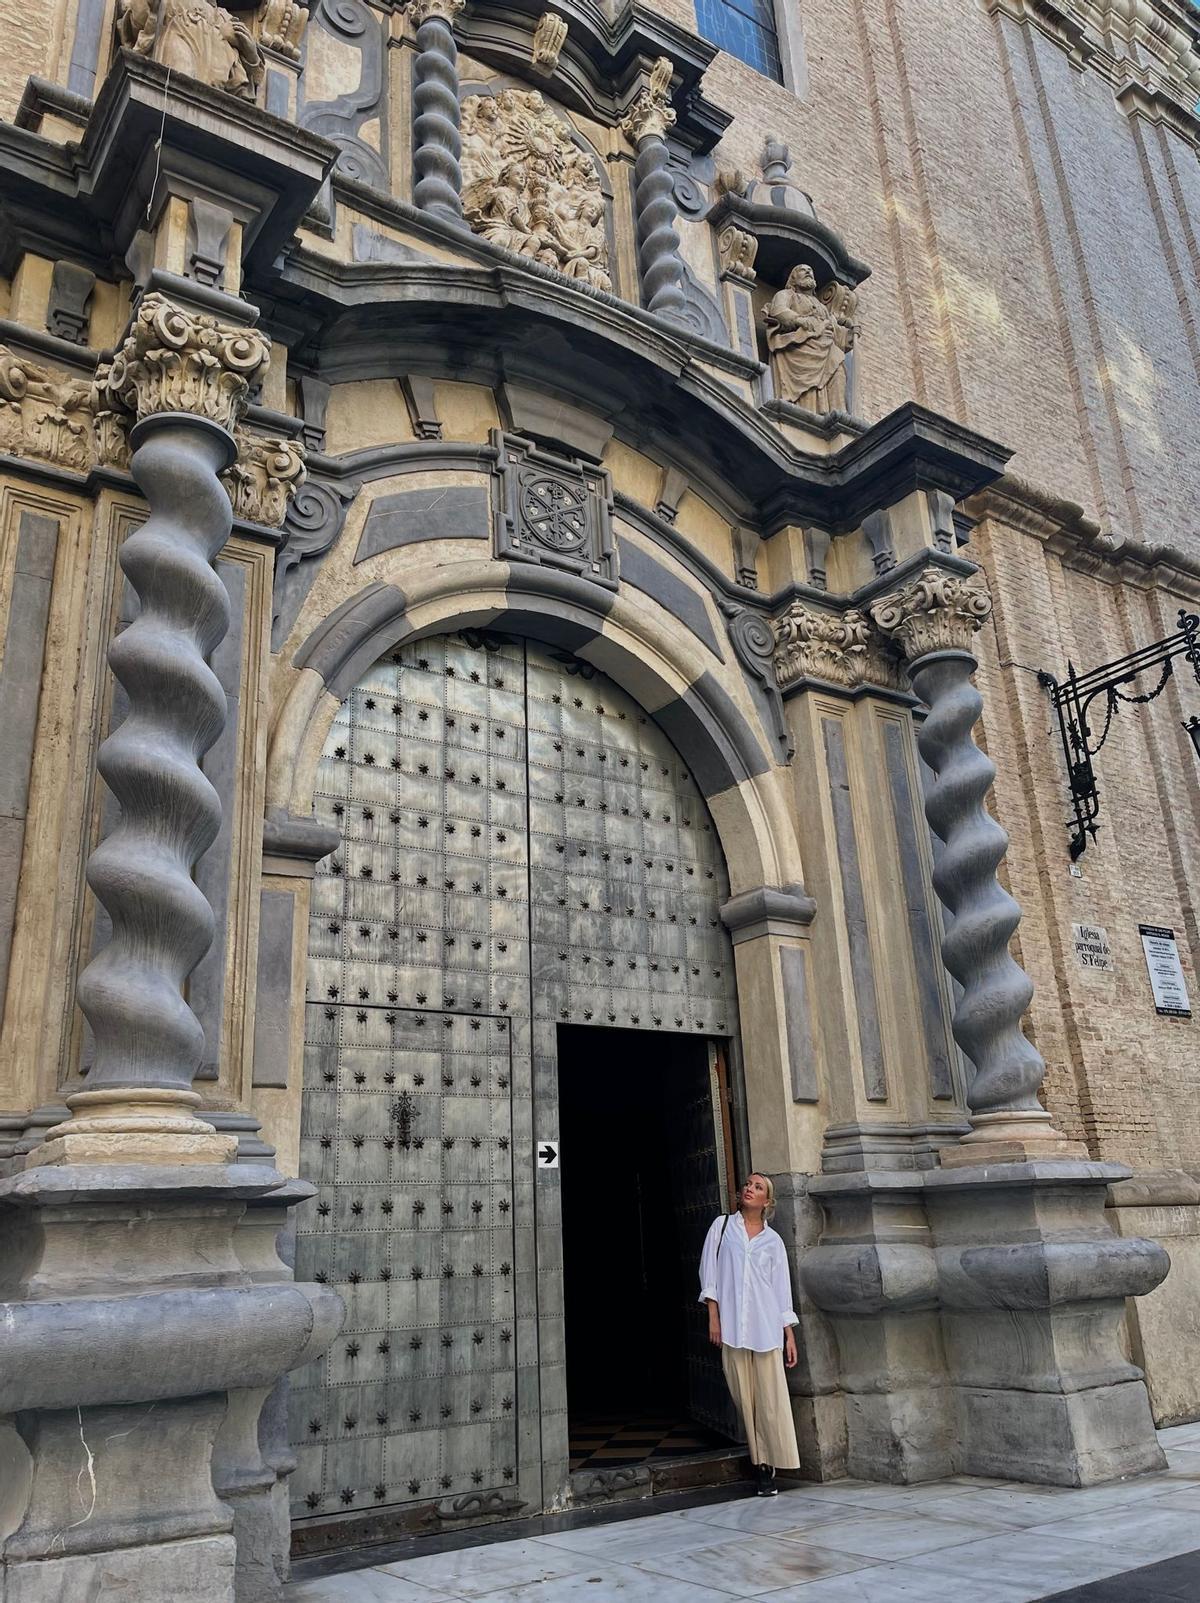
{"x": 874, "y": 1274}
{"x": 979, "y": 1317}
{"x": 138, "y": 1348}
{"x": 1033, "y": 1282}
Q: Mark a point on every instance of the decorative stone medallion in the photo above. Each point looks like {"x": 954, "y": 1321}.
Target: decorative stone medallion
{"x": 553, "y": 510}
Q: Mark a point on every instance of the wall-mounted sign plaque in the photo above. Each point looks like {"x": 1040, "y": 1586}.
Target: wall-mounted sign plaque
{"x": 1166, "y": 971}
{"x": 1091, "y": 946}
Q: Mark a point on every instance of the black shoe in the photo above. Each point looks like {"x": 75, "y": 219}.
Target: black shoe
{"x": 766, "y": 1480}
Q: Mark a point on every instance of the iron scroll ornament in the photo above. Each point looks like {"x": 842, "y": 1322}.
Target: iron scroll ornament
{"x": 1075, "y": 698}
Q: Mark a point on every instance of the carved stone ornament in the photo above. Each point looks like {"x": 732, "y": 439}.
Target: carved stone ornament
{"x": 528, "y": 187}
{"x": 174, "y": 360}
{"x": 553, "y": 511}
{"x": 936, "y": 612}
{"x": 837, "y": 648}
{"x": 652, "y": 116}
{"x": 737, "y": 250}
{"x": 264, "y": 477}
{"x": 196, "y": 38}
{"x": 44, "y": 415}
{"x": 280, "y": 27}
{"x": 548, "y": 39}
{"x": 421, "y": 10}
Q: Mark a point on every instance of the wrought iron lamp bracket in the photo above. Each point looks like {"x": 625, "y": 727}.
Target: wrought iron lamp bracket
{"x": 1075, "y": 699}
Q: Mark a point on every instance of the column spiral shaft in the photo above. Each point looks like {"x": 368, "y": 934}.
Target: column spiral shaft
{"x": 995, "y": 991}
{"x": 132, "y": 991}
{"x": 437, "y": 145}
{"x": 658, "y": 243}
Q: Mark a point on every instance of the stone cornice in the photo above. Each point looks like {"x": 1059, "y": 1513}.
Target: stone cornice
{"x": 1147, "y": 49}
{"x": 1080, "y": 543}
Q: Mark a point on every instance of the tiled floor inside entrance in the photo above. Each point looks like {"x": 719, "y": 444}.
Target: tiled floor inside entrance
{"x": 845, "y": 1542}
{"x": 606, "y": 1440}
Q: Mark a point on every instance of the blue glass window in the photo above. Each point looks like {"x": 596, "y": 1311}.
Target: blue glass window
{"x": 746, "y": 29}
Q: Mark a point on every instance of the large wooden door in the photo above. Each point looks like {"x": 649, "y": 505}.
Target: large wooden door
{"x": 521, "y": 847}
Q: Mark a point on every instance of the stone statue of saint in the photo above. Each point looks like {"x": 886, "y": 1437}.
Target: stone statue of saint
{"x": 194, "y": 37}
{"x": 808, "y": 348}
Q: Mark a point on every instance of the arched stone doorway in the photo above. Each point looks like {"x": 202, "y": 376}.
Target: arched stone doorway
{"x": 524, "y": 913}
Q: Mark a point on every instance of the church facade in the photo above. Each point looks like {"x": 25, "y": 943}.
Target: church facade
{"x": 538, "y": 562}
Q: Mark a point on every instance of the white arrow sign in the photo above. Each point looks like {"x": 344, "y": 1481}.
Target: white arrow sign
{"x": 547, "y": 1154}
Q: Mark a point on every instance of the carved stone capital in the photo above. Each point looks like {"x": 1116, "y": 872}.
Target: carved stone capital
{"x": 421, "y": 10}
{"x": 651, "y": 115}
{"x": 548, "y": 39}
{"x": 44, "y": 415}
{"x": 839, "y": 648}
{"x": 936, "y": 612}
{"x": 265, "y": 476}
{"x": 173, "y": 360}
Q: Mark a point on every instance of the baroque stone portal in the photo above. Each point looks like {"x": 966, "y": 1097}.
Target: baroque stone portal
{"x": 529, "y": 187}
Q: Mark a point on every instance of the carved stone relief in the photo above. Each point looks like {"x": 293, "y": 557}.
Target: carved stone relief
{"x": 196, "y": 38}
{"x": 553, "y": 511}
{"x": 528, "y": 187}
{"x": 280, "y": 27}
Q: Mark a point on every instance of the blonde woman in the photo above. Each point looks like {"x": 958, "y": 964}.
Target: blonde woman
{"x": 745, "y": 1282}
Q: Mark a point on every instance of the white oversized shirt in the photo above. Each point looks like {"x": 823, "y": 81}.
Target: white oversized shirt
{"x": 748, "y": 1279}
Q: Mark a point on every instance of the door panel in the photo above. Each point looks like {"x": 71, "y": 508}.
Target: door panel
{"x": 521, "y": 847}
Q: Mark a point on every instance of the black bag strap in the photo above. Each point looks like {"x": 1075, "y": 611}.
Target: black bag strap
{"x": 721, "y": 1237}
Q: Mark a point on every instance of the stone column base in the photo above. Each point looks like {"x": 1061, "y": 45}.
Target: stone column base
{"x": 979, "y": 1315}
{"x": 144, "y": 1324}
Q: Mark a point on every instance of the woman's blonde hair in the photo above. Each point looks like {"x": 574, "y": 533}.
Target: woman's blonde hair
{"x": 769, "y": 1209}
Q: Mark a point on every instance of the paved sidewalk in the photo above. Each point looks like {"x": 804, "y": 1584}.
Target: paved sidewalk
{"x": 845, "y": 1542}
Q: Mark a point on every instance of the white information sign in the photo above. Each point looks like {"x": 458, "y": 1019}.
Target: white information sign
{"x": 547, "y": 1154}
{"x": 1091, "y": 947}
{"x": 1166, "y": 971}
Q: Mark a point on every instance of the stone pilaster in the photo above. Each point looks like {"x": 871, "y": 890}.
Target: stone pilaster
{"x": 645, "y": 125}
{"x": 933, "y": 620}
{"x": 437, "y": 146}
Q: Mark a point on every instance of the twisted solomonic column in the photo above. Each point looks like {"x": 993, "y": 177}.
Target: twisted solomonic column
{"x": 184, "y": 376}
{"x": 933, "y": 621}
{"x": 437, "y": 145}
{"x": 645, "y": 125}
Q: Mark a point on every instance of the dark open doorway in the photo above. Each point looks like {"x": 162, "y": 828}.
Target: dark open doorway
{"x": 645, "y": 1155}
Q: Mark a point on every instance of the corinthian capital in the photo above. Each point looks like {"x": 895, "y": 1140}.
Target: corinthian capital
{"x": 421, "y": 10}
{"x": 937, "y": 612}
{"x": 837, "y": 648}
{"x": 651, "y": 114}
{"x": 265, "y": 476}
{"x": 175, "y": 360}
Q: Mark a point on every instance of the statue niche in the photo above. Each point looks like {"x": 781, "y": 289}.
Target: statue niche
{"x": 528, "y": 187}
{"x": 810, "y": 336}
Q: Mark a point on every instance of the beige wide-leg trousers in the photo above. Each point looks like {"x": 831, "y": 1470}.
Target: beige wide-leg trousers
{"x": 759, "y": 1387}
